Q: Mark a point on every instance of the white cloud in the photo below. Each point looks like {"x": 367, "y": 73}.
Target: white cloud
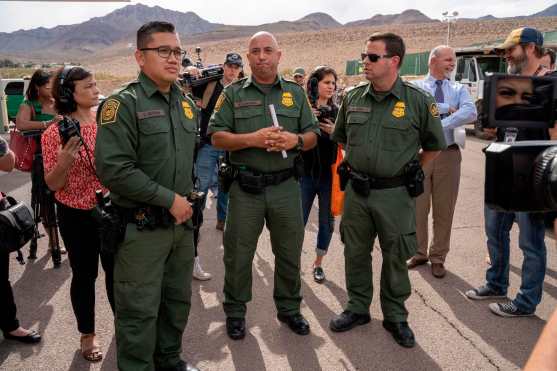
{"x": 16, "y": 15}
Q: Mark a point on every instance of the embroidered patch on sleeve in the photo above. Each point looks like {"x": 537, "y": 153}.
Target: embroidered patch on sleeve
{"x": 109, "y": 111}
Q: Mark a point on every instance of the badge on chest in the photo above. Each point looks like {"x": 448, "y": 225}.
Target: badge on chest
{"x": 287, "y": 99}
{"x": 187, "y": 110}
{"x": 399, "y": 110}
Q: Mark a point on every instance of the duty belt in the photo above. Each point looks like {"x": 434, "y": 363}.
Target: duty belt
{"x": 255, "y": 182}
{"x": 378, "y": 183}
{"x": 146, "y": 217}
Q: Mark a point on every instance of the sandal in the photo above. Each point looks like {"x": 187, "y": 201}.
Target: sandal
{"x": 92, "y": 353}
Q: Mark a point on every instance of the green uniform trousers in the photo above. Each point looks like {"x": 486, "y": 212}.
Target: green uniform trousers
{"x": 389, "y": 214}
{"x": 280, "y": 207}
{"x": 152, "y": 290}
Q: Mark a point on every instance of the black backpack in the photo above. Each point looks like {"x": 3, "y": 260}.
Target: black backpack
{"x": 17, "y": 226}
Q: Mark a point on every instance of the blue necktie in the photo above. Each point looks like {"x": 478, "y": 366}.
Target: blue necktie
{"x": 439, "y": 96}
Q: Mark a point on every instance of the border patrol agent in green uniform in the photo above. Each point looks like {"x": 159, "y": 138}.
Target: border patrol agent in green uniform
{"x": 144, "y": 156}
{"x": 263, "y": 188}
{"x": 383, "y": 125}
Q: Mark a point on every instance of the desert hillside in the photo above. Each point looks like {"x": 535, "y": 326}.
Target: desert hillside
{"x": 333, "y": 46}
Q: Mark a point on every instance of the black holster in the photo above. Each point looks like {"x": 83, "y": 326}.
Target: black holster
{"x": 415, "y": 176}
{"x": 227, "y": 174}
{"x": 112, "y": 228}
{"x": 360, "y": 183}
{"x": 343, "y": 171}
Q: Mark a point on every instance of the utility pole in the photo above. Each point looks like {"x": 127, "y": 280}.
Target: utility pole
{"x": 449, "y": 18}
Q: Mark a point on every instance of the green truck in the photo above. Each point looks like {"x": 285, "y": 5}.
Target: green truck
{"x": 12, "y": 93}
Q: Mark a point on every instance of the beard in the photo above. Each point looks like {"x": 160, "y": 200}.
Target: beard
{"x": 517, "y": 65}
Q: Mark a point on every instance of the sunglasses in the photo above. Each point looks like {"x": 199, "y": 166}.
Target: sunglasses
{"x": 374, "y": 57}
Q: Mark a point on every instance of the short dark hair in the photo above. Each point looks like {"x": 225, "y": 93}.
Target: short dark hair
{"x": 393, "y": 44}
{"x": 551, "y": 53}
{"x": 39, "y": 78}
{"x": 74, "y": 74}
{"x": 144, "y": 33}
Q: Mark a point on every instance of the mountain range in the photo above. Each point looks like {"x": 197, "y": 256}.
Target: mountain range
{"x": 120, "y": 26}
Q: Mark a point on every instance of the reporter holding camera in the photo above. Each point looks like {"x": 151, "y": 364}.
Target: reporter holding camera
{"x": 523, "y": 52}
{"x": 69, "y": 171}
{"x": 9, "y": 323}
{"x": 317, "y": 178}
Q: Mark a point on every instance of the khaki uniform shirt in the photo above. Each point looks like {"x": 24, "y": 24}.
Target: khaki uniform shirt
{"x": 243, "y": 107}
{"x": 384, "y": 131}
{"x": 145, "y": 144}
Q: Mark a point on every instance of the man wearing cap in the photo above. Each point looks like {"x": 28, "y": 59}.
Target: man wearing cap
{"x": 523, "y": 52}
{"x": 208, "y": 156}
{"x": 300, "y": 76}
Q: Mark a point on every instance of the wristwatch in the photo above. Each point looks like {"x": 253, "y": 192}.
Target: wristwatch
{"x": 300, "y": 145}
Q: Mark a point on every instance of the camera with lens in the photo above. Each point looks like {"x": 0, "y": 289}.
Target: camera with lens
{"x": 67, "y": 128}
{"x": 198, "y": 83}
{"x": 520, "y": 175}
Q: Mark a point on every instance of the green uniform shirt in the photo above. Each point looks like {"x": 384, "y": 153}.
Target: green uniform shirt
{"x": 243, "y": 107}
{"x": 145, "y": 144}
{"x": 383, "y": 132}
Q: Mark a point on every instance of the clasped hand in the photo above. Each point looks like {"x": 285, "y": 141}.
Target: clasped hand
{"x": 275, "y": 139}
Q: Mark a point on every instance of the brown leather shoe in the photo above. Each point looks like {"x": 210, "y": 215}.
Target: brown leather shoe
{"x": 438, "y": 270}
{"x": 414, "y": 261}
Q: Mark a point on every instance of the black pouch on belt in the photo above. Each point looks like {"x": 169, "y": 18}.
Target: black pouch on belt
{"x": 414, "y": 178}
{"x": 251, "y": 183}
{"x": 360, "y": 183}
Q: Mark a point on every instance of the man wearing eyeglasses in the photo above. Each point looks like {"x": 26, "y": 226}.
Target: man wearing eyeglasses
{"x": 383, "y": 124}
{"x": 144, "y": 156}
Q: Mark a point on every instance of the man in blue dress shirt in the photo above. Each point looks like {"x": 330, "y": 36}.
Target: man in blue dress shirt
{"x": 443, "y": 173}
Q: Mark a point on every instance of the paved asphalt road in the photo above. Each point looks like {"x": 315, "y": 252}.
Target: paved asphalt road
{"x": 452, "y": 332}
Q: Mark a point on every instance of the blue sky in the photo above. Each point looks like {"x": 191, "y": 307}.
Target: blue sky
{"x": 15, "y": 15}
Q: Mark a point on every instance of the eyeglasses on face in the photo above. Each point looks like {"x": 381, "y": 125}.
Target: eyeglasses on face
{"x": 374, "y": 57}
{"x": 165, "y": 51}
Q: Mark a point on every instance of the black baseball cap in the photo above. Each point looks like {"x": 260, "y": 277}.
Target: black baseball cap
{"x": 234, "y": 58}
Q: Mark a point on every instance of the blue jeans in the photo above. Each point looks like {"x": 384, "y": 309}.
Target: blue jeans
{"x": 322, "y": 189}
{"x": 206, "y": 165}
{"x": 531, "y": 241}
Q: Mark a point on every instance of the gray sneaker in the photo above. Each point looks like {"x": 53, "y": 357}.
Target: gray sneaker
{"x": 482, "y": 293}
{"x": 508, "y": 309}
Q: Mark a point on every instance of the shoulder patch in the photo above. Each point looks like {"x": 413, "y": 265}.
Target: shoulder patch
{"x": 434, "y": 110}
{"x": 109, "y": 111}
{"x": 220, "y": 102}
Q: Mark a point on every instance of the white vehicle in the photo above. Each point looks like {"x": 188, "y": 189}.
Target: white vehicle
{"x": 472, "y": 65}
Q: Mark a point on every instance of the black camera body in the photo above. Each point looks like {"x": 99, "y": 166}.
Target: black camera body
{"x": 197, "y": 84}
{"x": 67, "y": 128}
{"x": 521, "y": 176}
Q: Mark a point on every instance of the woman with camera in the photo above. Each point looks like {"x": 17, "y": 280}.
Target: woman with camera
{"x": 36, "y": 113}
{"x": 317, "y": 180}
{"x": 68, "y": 150}
{"x": 8, "y": 321}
